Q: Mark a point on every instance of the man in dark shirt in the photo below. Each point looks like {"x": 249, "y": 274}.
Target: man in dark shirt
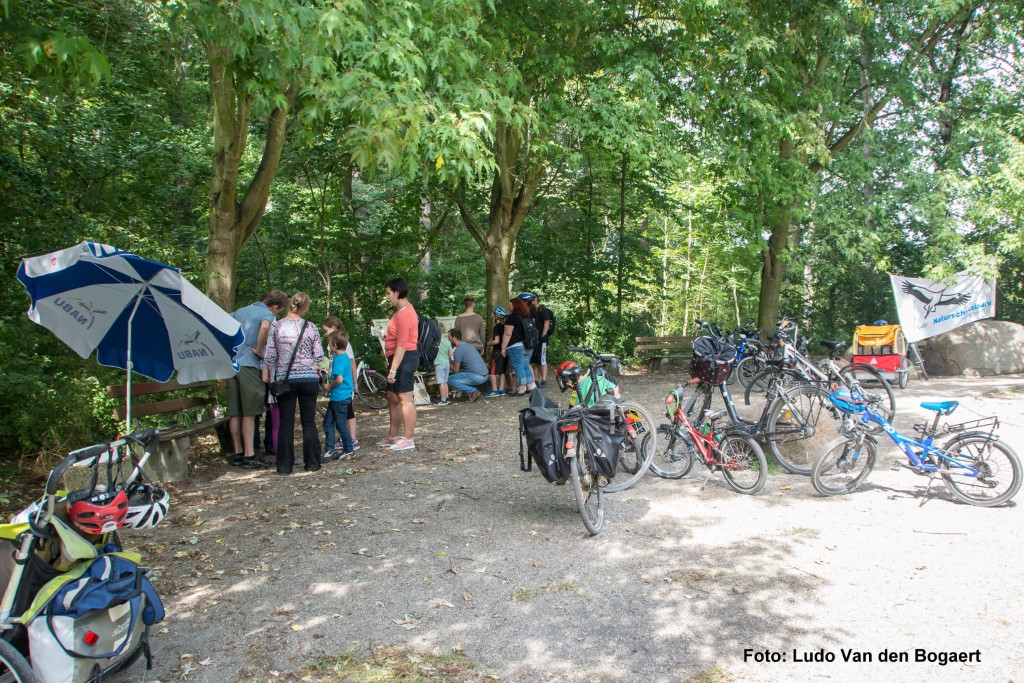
{"x": 544, "y": 319}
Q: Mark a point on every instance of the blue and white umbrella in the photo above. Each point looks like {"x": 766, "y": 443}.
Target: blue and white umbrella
{"x": 138, "y": 314}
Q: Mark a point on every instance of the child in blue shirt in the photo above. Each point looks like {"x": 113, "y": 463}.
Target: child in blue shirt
{"x": 340, "y": 389}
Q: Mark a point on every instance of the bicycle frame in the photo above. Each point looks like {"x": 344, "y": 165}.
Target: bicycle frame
{"x": 918, "y": 461}
{"x": 704, "y": 443}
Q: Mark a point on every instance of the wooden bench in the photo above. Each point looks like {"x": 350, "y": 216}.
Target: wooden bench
{"x": 663, "y": 350}
{"x": 193, "y": 413}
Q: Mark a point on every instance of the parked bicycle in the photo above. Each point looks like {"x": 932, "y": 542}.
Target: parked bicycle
{"x": 731, "y": 451}
{"x": 975, "y": 465}
{"x": 641, "y": 434}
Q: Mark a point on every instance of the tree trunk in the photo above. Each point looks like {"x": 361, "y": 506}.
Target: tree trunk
{"x": 512, "y": 192}
{"x": 773, "y": 267}
{"x": 232, "y": 221}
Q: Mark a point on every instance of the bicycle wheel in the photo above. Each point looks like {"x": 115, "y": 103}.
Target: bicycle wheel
{"x": 903, "y": 373}
{"x": 772, "y": 380}
{"x": 742, "y": 462}
{"x": 867, "y": 374}
{"x": 372, "y": 389}
{"x": 638, "y": 447}
{"x": 998, "y": 470}
{"x": 842, "y": 466}
{"x": 676, "y": 460}
{"x": 748, "y": 369}
{"x": 589, "y": 496}
{"x": 799, "y": 424}
{"x": 14, "y": 667}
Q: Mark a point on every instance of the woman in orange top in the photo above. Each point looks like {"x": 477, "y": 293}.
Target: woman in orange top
{"x": 402, "y": 359}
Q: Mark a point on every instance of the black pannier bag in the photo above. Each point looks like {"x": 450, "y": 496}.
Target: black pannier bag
{"x": 603, "y": 434}
{"x": 712, "y": 360}
{"x": 538, "y": 425}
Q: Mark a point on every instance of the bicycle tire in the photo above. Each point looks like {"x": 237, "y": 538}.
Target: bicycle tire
{"x": 794, "y": 429}
{"x": 14, "y": 666}
{"x": 840, "y": 469}
{"x": 765, "y": 379}
{"x": 742, "y": 463}
{"x": 637, "y": 452}
{"x": 371, "y": 388}
{"x": 676, "y": 460}
{"x": 589, "y": 496}
{"x": 747, "y": 369}
{"x": 888, "y": 404}
{"x": 988, "y": 455}
{"x": 903, "y": 373}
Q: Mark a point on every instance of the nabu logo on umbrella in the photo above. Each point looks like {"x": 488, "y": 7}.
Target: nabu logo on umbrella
{"x": 191, "y": 347}
{"x": 83, "y": 312}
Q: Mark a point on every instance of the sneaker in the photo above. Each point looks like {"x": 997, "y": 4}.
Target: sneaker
{"x": 251, "y": 463}
{"x": 330, "y": 455}
{"x": 388, "y": 441}
{"x": 542, "y": 383}
{"x": 355, "y": 445}
{"x": 444, "y": 402}
{"x": 348, "y": 455}
{"x": 474, "y": 396}
{"x": 237, "y": 460}
{"x": 403, "y": 445}
{"x": 501, "y": 392}
{"x": 492, "y": 394}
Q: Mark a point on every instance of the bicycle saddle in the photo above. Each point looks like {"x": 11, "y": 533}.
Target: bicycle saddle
{"x": 834, "y": 347}
{"x": 941, "y": 407}
{"x": 715, "y": 415}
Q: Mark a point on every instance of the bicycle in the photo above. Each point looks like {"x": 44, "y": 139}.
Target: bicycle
{"x": 975, "y": 466}
{"x": 734, "y": 451}
{"x": 796, "y": 367}
{"x": 641, "y": 440}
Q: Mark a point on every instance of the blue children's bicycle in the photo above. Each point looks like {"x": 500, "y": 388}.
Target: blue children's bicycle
{"x": 975, "y": 465}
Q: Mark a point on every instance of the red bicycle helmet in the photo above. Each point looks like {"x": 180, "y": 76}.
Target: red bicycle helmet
{"x": 97, "y": 512}
{"x": 568, "y": 372}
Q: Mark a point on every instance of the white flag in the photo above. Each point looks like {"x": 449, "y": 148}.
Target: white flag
{"x": 927, "y": 308}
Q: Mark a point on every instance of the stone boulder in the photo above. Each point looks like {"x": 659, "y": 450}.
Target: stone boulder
{"x": 978, "y": 349}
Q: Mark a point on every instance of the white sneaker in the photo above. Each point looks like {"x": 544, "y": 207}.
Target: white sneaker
{"x": 403, "y": 445}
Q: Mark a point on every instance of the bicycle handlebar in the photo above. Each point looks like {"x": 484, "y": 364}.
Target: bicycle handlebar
{"x": 145, "y": 437}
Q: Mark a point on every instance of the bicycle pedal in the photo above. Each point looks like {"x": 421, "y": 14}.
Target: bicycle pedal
{"x": 602, "y": 481}
{"x": 896, "y": 466}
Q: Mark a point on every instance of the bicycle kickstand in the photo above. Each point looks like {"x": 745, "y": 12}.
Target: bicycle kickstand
{"x": 706, "y": 480}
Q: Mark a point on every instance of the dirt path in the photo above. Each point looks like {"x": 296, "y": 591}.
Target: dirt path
{"x": 452, "y": 547}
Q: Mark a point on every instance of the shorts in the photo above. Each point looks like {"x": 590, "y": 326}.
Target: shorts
{"x": 499, "y": 364}
{"x": 441, "y": 373}
{"x": 405, "y": 377}
{"x": 246, "y": 393}
{"x": 540, "y": 354}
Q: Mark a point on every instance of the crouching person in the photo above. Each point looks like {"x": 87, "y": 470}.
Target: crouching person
{"x": 468, "y": 368}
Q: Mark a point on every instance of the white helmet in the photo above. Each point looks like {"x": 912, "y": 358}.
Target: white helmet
{"x": 147, "y": 506}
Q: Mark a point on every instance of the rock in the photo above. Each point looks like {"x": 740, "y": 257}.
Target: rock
{"x": 979, "y": 349}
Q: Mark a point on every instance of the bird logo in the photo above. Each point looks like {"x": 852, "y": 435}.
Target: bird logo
{"x": 191, "y": 347}
{"x": 935, "y": 296}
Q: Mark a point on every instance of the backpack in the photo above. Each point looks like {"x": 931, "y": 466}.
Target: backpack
{"x": 93, "y": 619}
{"x": 531, "y": 335}
{"x": 551, "y": 320}
{"x": 428, "y": 341}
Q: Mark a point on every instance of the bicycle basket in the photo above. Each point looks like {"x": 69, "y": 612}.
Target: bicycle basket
{"x": 847, "y": 402}
{"x": 712, "y": 360}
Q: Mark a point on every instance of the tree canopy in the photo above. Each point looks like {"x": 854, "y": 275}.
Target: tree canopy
{"x": 640, "y": 165}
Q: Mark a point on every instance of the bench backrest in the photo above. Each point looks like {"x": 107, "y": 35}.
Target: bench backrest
{"x": 159, "y": 406}
{"x": 660, "y": 343}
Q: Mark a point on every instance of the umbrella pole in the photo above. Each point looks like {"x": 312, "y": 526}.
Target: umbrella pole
{"x": 128, "y": 365}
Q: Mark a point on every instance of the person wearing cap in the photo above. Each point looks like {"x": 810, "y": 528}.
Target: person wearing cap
{"x": 543, "y": 318}
{"x": 470, "y": 325}
{"x": 499, "y": 364}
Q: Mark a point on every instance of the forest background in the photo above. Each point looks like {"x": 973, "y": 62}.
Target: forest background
{"x": 638, "y": 164}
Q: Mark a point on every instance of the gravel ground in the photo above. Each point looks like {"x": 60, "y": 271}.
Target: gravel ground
{"x": 452, "y": 547}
